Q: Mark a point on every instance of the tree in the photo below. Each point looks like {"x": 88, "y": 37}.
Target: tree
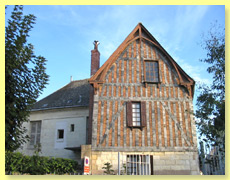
{"x": 25, "y": 76}
{"x": 108, "y": 169}
{"x": 210, "y": 104}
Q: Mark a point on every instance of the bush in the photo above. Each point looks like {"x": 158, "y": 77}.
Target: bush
{"x": 16, "y": 162}
{"x": 108, "y": 169}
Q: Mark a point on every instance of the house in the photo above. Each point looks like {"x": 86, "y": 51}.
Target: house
{"x": 139, "y": 113}
{"x": 59, "y": 122}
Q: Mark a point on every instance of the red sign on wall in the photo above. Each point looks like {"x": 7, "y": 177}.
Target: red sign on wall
{"x": 86, "y": 165}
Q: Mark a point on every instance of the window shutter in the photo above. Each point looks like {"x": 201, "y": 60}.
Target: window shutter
{"x": 35, "y": 132}
{"x": 38, "y": 132}
{"x": 129, "y": 114}
{"x": 32, "y": 133}
{"x": 143, "y": 113}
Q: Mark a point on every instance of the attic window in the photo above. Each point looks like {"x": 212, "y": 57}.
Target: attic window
{"x": 151, "y": 71}
{"x": 69, "y": 101}
{"x": 44, "y": 105}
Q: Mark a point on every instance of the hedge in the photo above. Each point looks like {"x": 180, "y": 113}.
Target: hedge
{"x": 16, "y": 162}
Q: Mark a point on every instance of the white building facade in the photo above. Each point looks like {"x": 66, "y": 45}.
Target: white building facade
{"x": 60, "y": 128}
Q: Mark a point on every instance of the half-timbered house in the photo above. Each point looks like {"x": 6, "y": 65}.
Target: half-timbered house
{"x": 141, "y": 108}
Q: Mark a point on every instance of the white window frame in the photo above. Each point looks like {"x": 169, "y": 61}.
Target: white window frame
{"x": 36, "y": 134}
{"x": 136, "y": 114}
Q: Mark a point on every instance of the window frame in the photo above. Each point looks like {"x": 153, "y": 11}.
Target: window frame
{"x": 72, "y": 127}
{"x": 159, "y": 78}
{"x": 134, "y": 119}
{"x": 58, "y": 134}
{"x": 129, "y": 114}
{"x": 139, "y": 164}
{"x": 36, "y": 133}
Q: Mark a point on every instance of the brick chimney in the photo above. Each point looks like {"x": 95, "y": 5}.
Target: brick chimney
{"x": 95, "y": 58}
{"x": 95, "y": 64}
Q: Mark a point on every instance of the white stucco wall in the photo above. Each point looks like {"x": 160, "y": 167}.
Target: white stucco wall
{"x": 51, "y": 121}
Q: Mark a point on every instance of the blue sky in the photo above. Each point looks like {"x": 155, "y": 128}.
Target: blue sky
{"x": 64, "y": 35}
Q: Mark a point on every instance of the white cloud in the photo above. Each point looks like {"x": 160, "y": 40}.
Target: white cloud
{"x": 185, "y": 25}
{"x": 195, "y": 71}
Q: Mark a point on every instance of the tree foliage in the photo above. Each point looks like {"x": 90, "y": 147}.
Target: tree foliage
{"x": 210, "y": 104}
{"x": 25, "y": 76}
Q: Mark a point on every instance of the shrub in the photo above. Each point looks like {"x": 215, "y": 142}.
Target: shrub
{"x": 108, "y": 169}
{"x": 16, "y": 162}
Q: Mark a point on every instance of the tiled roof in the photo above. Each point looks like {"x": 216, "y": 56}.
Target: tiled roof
{"x": 74, "y": 94}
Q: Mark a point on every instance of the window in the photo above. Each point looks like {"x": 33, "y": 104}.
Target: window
{"x": 72, "y": 127}
{"x": 60, "y": 134}
{"x": 35, "y": 133}
{"x": 138, "y": 165}
{"x": 136, "y": 114}
{"x": 151, "y": 71}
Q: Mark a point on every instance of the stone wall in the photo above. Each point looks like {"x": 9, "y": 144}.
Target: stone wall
{"x": 164, "y": 163}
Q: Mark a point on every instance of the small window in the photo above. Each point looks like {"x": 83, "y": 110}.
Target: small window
{"x": 60, "y": 134}
{"x": 72, "y": 128}
{"x": 151, "y": 71}
{"x": 136, "y": 114}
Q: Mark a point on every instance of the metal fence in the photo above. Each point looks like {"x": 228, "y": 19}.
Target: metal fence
{"x": 212, "y": 160}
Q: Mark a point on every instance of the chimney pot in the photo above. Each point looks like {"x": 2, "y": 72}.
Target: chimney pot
{"x": 95, "y": 58}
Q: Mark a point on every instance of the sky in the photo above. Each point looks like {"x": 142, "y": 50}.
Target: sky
{"x": 64, "y": 35}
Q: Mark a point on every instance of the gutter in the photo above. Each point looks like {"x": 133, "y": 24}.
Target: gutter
{"x": 62, "y": 107}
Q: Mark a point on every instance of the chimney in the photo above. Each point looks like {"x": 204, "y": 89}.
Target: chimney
{"x": 95, "y": 58}
{"x": 95, "y": 64}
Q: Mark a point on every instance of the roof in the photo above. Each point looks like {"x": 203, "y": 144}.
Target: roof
{"x": 74, "y": 94}
{"x": 140, "y": 32}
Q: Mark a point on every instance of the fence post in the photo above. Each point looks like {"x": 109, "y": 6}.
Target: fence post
{"x": 118, "y": 163}
{"x": 221, "y": 164}
{"x": 203, "y": 158}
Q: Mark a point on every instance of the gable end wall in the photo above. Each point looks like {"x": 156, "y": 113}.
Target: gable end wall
{"x": 167, "y": 106}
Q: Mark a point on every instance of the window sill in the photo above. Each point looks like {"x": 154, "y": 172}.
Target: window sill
{"x": 136, "y": 127}
{"x": 60, "y": 140}
{"x": 149, "y": 82}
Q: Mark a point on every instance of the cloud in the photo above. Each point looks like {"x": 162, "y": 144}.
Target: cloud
{"x": 195, "y": 71}
{"x": 185, "y": 25}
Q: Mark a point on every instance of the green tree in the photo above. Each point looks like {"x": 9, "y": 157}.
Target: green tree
{"x": 108, "y": 169}
{"x": 25, "y": 76}
{"x": 210, "y": 104}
